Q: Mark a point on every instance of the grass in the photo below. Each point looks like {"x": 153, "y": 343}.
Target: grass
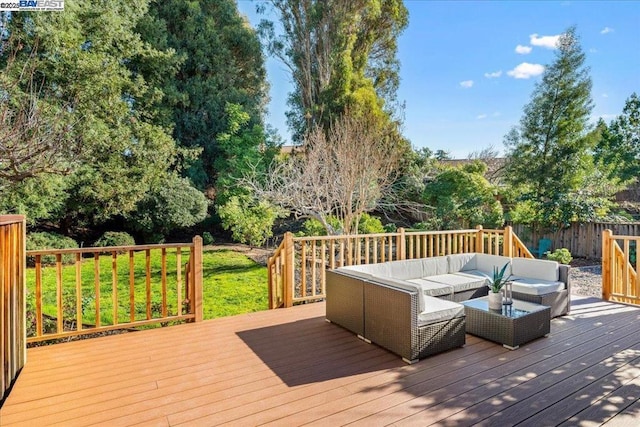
{"x": 232, "y": 284}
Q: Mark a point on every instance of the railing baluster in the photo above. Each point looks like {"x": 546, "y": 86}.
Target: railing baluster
{"x": 132, "y": 287}
{"x": 60, "y": 314}
{"x": 332, "y": 253}
{"x": 38, "y": 295}
{"x": 78, "y": 292}
{"x": 96, "y": 281}
{"x": 179, "y": 279}
{"x": 323, "y": 269}
{"x": 148, "y": 282}
{"x": 367, "y": 241}
{"x": 303, "y": 269}
{"x": 164, "y": 282}
{"x": 114, "y": 286}
{"x": 375, "y": 249}
{"x": 313, "y": 268}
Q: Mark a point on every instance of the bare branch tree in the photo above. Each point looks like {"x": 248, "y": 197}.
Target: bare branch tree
{"x": 35, "y": 134}
{"x": 343, "y": 172}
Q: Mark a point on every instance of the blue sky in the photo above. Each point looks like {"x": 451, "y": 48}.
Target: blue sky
{"x": 469, "y": 67}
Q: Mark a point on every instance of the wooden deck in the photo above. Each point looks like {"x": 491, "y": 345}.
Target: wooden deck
{"x": 289, "y": 367}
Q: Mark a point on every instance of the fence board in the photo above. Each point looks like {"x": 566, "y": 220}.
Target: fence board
{"x": 582, "y": 240}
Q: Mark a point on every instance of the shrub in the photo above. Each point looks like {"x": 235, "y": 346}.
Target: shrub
{"x": 313, "y": 227}
{"x": 563, "y": 256}
{"x": 45, "y": 240}
{"x": 114, "y": 238}
{"x": 207, "y": 238}
{"x": 249, "y": 223}
{"x": 370, "y": 225}
{"x": 390, "y": 228}
{"x": 174, "y": 204}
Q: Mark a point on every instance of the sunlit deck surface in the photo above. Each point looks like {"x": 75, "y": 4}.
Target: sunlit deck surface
{"x": 290, "y": 367}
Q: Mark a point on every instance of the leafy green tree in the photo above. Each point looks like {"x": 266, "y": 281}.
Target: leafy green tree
{"x": 216, "y": 99}
{"x": 618, "y": 148}
{"x": 462, "y": 198}
{"x": 341, "y": 55}
{"x": 84, "y": 58}
{"x": 548, "y": 154}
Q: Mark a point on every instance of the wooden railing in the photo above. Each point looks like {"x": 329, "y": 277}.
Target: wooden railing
{"x": 297, "y": 268}
{"x": 129, "y": 291}
{"x": 13, "y": 354}
{"x": 620, "y": 266}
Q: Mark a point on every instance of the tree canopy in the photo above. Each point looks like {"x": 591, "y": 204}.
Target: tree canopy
{"x": 549, "y": 158}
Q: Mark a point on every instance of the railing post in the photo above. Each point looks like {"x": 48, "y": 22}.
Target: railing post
{"x": 401, "y": 244}
{"x": 197, "y": 278}
{"x": 289, "y": 269}
{"x": 607, "y": 256}
{"x": 13, "y": 348}
{"x": 480, "y": 240}
{"x": 507, "y": 243}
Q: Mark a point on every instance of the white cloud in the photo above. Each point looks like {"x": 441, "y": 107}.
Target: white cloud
{"x": 493, "y": 75}
{"x": 592, "y": 50}
{"x": 526, "y": 70}
{"x": 481, "y": 116}
{"x": 523, "y": 50}
{"x": 606, "y": 30}
{"x": 497, "y": 114}
{"x": 605, "y": 95}
{"x": 550, "y": 42}
{"x": 466, "y": 84}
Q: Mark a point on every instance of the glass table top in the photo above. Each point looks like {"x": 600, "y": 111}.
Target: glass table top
{"x": 514, "y": 310}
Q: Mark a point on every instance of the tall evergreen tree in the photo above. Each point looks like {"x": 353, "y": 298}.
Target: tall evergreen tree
{"x": 342, "y": 58}
{"x": 548, "y": 153}
{"x": 216, "y": 100}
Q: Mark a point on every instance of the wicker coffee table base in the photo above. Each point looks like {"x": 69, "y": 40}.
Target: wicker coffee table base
{"x": 511, "y": 332}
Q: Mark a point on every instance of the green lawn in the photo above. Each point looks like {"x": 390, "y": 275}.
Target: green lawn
{"x": 233, "y": 284}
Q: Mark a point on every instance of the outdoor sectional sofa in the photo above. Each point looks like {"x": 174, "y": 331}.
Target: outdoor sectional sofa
{"x": 412, "y": 308}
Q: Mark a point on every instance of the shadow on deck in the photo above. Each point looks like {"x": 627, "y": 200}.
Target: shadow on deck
{"x": 290, "y": 367}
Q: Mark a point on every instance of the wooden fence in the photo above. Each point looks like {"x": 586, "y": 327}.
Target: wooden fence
{"x": 13, "y": 354}
{"x": 130, "y": 293}
{"x": 582, "y": 240}
{"x": 297, "y": 268}
{"x": 620, "y": 266}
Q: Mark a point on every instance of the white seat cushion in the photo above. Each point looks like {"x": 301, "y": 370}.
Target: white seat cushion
{"x": 536, "y": 286}
{"x": 535, "y": 269}
{"x": 432, "y": 289}
{"x": 477, "y": 274}
{"x": 439, "y": 310}
{"x": 460, "y": 283}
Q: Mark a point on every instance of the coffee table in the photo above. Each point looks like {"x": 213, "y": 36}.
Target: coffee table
{"x": 515, "y": 324}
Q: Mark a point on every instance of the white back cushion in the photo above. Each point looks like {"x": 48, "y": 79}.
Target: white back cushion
{"x": 461, "y": 262}
{"x": 434, "y": 266}
{"x": 407, "y": 269}
{"x": 535, "y": 269}
{"x": 366, "y": 270}
{"x": 487, "y": 263}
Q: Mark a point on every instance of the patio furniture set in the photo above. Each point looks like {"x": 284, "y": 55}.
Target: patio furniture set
{"x": 417, "y": 308}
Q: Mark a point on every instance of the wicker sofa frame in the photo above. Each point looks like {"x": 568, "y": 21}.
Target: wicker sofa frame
{"x": 388, "y": 317}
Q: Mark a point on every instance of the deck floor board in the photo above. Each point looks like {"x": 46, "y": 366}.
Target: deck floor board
{"x": 290, "y": 367}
